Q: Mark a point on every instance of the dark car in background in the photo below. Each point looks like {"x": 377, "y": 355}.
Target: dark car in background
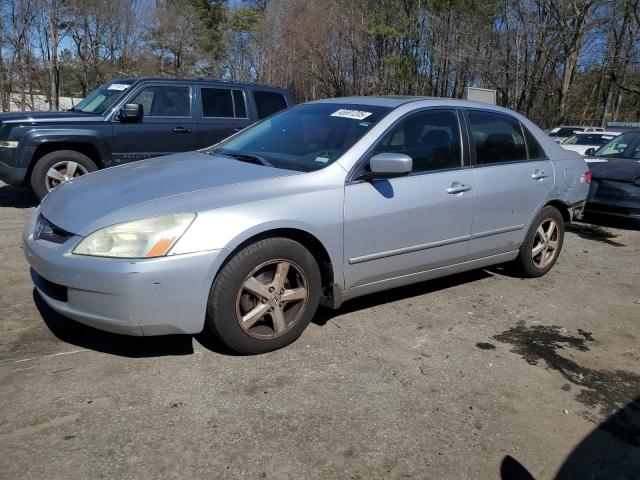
{"x": 615, "y": 177}
{"x": 127, "y": 120}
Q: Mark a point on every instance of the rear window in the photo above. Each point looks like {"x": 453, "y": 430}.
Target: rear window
{"x": 268, "y": 103}
{"x": 497, "y": 137}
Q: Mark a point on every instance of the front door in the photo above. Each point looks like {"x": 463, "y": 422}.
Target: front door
{"x": 513, "y": 178}
{"x": 401, "y": 226}
{"x": 167, "y": 126}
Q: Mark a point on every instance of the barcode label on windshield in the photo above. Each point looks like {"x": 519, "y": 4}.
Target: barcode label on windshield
{"x": 353, "y": 114}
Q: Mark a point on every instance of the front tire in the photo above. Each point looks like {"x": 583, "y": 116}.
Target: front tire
{"x": 58, "y": 167}
{"x": 264, "y": 296}
{"x": 542, "y": 244}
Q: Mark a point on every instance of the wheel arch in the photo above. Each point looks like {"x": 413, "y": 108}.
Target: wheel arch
{"x": 328, "y": 273}
{"x": 562, "y": 207}
{"x": 44, "y": 148}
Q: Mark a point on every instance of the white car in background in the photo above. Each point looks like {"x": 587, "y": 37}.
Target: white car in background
{"x": 560, "y": 134}
{"x": 583, "y": 141}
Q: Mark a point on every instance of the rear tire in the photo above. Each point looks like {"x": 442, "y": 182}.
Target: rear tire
{"x": 264, "y": 296}
{"x": 542, "y": 244}
{"x": 57, "y": 167}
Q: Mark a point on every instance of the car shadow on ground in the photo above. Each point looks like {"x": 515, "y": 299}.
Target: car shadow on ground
{"x": 609, "y": 452}
{"x": 17, "y": 197}
{"x": 83, "y": 336}
{"x": 324, "y": 315}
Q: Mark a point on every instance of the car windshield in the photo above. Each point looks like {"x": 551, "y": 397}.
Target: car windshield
{"x": 102, "y": 98}
{"x": 588, "y": 139}
{"x": 306, "y": 137}
{"x": 626, "y": 145}
{"x": 564, "y": 131}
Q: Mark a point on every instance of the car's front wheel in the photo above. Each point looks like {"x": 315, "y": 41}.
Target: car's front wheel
{"x": 264, "y": 296}
{"x": 58, "y": 167}
{"x": 542, "y": 244}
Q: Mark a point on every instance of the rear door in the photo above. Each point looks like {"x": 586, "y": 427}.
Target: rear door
{"x": 513, "y": 177}
{"x": 222, "y": 112}
{"x": 400, "y": 226}
{"x": 167, "y": 126}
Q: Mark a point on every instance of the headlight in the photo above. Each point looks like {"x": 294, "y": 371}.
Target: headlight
{"x": 150, "y": 237}
{"x": 9, "y": 143}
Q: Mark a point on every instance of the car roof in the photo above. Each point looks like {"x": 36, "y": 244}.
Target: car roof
{"x": 397, "y": 101}
{"x": 598, "y": 133}
{"x": 203, "y": 81}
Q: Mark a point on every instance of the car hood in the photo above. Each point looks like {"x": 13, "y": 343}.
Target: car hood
{"x": 614, "y": 168}
{"x": 46, "y": 117}
{"x": 183, "y": 182}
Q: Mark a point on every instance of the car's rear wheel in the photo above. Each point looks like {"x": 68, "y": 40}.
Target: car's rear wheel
{"x": 58, "y": 167}
{"x": 542, "y": 244}
{"x": 265, "y": 296}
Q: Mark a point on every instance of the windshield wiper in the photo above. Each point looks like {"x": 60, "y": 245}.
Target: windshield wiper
{"x": 246, "y": 157}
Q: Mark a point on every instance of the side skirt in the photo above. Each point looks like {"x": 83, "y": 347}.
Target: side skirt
{"x": 389, "y": 283}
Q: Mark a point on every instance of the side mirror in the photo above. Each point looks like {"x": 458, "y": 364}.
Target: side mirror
{"x": 390, "y": 165}
{"x": 590, "y": 151}
{"x": 131, "y": 112}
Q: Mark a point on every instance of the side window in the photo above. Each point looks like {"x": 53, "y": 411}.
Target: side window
{"x": 431, "y": 138}
{"x": 222, "y": 102}
{"x": 269, "y": 103}
{"x": 166, "y": 101}
{"x": 535, "y": 149}
{"x": 238, "y": 103}
{"x": 216, "y": 102}
{"x": 497, "y": 137}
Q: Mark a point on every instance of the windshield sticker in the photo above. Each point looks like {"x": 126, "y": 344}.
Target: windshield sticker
{"x": 321, "y": 159}
{"x": 353, "y": 114}
{"x": 118, "y": 86}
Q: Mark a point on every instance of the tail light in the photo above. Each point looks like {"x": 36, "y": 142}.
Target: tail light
{"x": 587, "y": 176}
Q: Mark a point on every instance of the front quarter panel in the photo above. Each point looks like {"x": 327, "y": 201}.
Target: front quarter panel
{"x": 318, "y": 213}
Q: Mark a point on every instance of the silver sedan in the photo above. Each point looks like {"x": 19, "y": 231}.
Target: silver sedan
{"x": 315, "y": 205}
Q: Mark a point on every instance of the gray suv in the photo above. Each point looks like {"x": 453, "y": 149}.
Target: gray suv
{"x": 126, "y": 120}
{"x": 318, "y": 204}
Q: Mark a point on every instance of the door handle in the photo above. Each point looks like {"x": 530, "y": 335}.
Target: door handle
{"x": 457, "y": 187}
{"x": 538, "y": 175}
{"x": 182, "y": 130}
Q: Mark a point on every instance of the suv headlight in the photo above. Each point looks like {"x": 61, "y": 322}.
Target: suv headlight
{"x": 9, "y": 143}
{"x": 146, "y": 238}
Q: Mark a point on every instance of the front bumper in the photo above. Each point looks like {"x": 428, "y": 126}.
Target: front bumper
{"x": 12, "y": 175}
{"x": 154, "y": 296}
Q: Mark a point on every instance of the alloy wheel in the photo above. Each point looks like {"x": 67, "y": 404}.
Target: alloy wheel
{"x": 545, "y": 243}
{"x": 272, "y": 299}
{"x": 63, "y": 172}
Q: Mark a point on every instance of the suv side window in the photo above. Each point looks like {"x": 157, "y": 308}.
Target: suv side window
{"x": 164, "y": 101}
{"x": 268, "y": 103}
{"x": 431, "y": 138}
{"x": 498, "y": 138}
{"x": 223, "y": 102}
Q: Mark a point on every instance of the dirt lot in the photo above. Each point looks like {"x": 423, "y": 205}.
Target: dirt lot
{"x": 447, "y": 379}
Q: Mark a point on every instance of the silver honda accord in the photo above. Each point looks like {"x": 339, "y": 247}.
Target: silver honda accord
{"x": 315, "y": 205}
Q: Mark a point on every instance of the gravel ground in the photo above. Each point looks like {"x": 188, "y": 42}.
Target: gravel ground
{"x": 474, "y": 376}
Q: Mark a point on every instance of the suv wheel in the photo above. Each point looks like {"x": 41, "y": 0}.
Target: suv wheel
{"x": 265, "y": 296}
{"x": 57, "y": 167}
{"x": 541, "y": 247}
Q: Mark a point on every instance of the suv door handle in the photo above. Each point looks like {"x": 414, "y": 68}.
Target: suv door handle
{"x": 538, "y": 175}
{"x": 182, "y": 130}
{"x": 457, "y": 187}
